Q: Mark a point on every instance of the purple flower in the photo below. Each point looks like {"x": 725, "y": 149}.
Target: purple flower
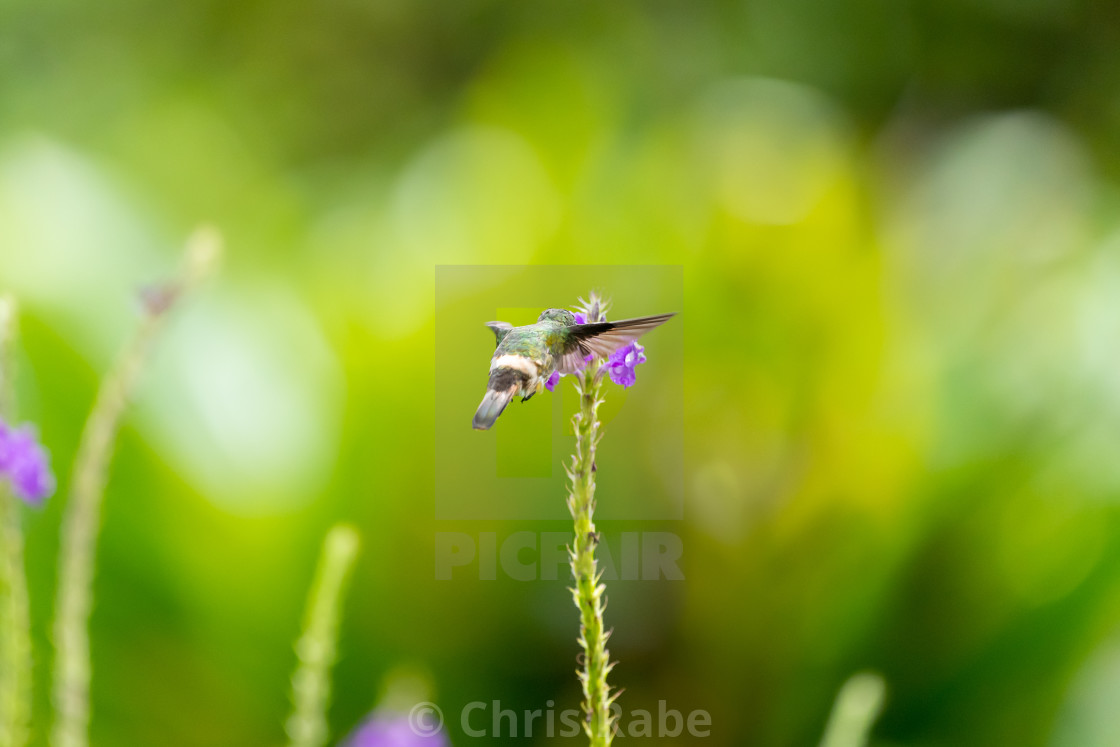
{"x": 23, "y": 462}
{"x": 390, "y": 730}
{"x": 621, "y": 364}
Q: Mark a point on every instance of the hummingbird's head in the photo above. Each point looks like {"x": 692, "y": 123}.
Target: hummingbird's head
{"x": 563, "y": 316}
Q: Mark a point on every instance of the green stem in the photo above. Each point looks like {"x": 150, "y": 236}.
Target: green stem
{"x": 588, "y": 590}
{"x": 82, "y": 519}
{"x": 315, "y": 650}
{"x": 80, "y": 526}
{"x": 15, "y": 643}
{"x": 858, "y": 704}
{"x": 15, "y": 615}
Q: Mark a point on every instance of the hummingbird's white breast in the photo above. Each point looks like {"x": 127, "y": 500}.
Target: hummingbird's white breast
{"x": 525, "y": 365}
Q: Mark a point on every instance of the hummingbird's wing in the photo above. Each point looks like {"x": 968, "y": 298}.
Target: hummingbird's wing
{"x": 603, "y": 338}
{"x": 500, "y": 330}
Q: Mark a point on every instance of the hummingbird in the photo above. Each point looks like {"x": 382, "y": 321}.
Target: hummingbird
{"x": 527, "y": 356}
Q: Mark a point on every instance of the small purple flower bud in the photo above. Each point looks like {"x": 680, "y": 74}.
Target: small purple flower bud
{"x": 622, "y": 362}
{"x": 553, "y": 380}
{"x": 24, "y": 463}
{"x": 389, "y": 730}
{"x": 156, "y": 299}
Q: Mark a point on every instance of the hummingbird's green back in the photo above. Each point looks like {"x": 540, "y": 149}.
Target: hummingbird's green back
{"x": 535, "y": 341}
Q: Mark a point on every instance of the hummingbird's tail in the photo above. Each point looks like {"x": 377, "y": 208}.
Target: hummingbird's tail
{"x": 492, "y": 405}
{"x": 505, "y": 382}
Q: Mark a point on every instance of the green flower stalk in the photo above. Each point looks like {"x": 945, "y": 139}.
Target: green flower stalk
{"x": 533, "y": 357}
{"x": 858, "y": 704}
{"x": 82, "y": 519}
{"x": 15, "y": 622}
{"x": 316, "y": 648}
{"x": 588, "y": 591}
{"x": 15, "y": 629}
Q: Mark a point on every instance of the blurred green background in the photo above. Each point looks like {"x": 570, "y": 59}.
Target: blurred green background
{"x": 899, "y": 226}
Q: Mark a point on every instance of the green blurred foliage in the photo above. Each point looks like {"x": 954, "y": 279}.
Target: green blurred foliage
{"x": 898, "y": 226}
